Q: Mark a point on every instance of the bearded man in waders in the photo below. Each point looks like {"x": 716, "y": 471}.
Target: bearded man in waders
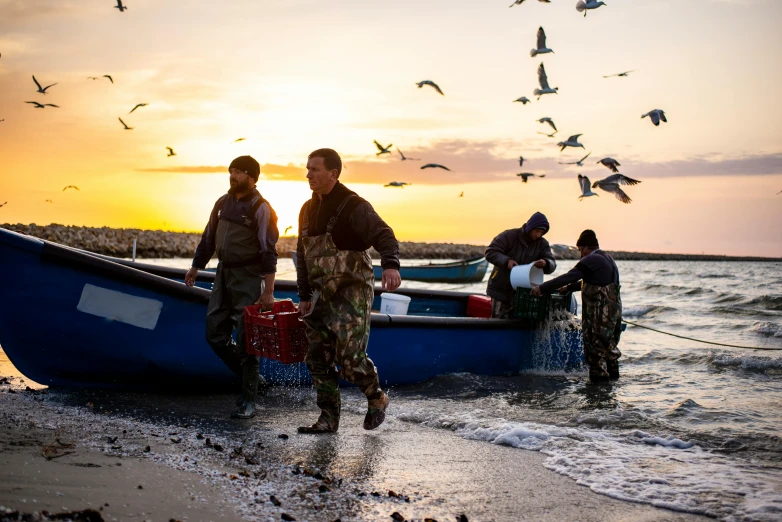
{"x": 336, "y": 289}
{"x": 242, "y": 229}
{"x": 597, "y": 276}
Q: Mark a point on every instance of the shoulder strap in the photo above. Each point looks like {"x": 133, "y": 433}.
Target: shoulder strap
{"x": 333, "y": 221}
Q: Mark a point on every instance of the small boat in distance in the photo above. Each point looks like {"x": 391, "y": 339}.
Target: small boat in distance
{"x": 466, "y": 271}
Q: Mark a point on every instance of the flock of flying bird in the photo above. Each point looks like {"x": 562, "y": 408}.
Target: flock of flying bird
{"x": 612, "y": 184}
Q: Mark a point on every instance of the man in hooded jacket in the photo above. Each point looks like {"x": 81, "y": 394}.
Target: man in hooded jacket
{"x": 517, "y": 246}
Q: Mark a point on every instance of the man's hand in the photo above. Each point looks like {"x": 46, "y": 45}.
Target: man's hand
{"x": 191, "y": 275}
{"x": 511, "y": 264}
{"x": 266, "y": 301}
{"x": 304, "y": 307}
{"x": 536, "y": 291}
{"x": 540, "y": 263}
{"x": 391, "y": 279}
{"x": 562, "y": 290}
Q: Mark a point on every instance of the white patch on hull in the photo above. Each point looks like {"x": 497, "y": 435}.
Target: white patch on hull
{"x": 117, "y": 306}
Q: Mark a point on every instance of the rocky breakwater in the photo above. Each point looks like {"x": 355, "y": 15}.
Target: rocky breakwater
{"x": 163, "y": 244}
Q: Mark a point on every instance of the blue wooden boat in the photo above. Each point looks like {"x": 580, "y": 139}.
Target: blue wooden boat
{"x": 70, "y": 318}
{"x": 465, "y": 271}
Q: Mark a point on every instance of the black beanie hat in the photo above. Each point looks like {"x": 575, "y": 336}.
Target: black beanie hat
{"x": 588, "y": 239}
{"x": 248, "y": 165}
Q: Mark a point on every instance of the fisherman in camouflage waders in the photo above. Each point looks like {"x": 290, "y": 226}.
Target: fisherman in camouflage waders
{"x": 336, "y": 289}
{"x": 597, "y": 276}
{"x": 242, "y": 230}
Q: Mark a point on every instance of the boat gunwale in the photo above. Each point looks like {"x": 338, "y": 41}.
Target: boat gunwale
{"x": 96, "y": 263}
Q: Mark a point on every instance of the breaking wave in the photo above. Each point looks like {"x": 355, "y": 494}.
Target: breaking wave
{"x": 684, "y": 476}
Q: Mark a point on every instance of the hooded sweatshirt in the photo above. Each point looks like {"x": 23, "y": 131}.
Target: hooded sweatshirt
{"x": 515, "y": 244}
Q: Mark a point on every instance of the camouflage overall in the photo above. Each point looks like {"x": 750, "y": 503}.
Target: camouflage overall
{"x": 338, "y": 324}
{"x": 601, "y": 327}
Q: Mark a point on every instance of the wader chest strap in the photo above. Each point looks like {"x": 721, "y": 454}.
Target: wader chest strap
{"x": 333, "y": 221}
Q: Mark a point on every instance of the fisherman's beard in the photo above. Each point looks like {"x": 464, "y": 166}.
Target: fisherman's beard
{"x": 239, "y": 186}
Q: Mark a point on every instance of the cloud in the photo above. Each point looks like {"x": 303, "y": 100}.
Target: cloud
{"x": 270, "y": 170}
{"x": 187, "y": 170}
{"x": 755, "y": 164}
{"x": 487, "y": 161}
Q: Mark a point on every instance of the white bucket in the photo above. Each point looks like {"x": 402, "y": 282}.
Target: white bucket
{"x": 525, "y": 276}
{"x": 394, "y": 304}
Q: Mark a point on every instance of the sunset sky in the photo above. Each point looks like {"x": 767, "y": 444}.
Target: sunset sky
{"x": 291, "y": 76}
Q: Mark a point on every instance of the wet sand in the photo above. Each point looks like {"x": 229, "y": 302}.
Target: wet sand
{"x": 196, "y": 464}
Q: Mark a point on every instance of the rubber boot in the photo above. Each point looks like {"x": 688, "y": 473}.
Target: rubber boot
{"x": 613, "y": 369}
{"x": 263, "y": 387}
{"x": 328, "y": 422}
{"x": 250, "y": 380}
{"x": 376, "y": 411}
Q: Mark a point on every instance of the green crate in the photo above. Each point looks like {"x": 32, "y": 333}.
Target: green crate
{"x": 528, "y": 306}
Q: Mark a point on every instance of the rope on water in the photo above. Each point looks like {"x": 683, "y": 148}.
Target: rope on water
{"x": 699, "y": 340}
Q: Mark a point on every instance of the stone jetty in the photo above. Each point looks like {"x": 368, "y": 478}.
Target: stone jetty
{"x": 164, "y": 244}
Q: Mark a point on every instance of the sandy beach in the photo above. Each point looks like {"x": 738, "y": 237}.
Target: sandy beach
{"x": 146, "y": 457}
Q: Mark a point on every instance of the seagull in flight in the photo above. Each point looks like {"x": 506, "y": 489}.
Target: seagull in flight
{"x": 108, "y": 75}
{"x": 461, "y": 195}
{"x": 137, "y": 106}
{"x": 570, "y": 142}
{"x": 48, "y": 201}
{"x": 435, "y": 166}
{"x": 170, "y": 151}
{"x": 541, "y": 44}
{"x": 521, "y": 161}
{"x": 583, "y": 6}
{"x": 526, "y": 175}
{"x": 42, "y": 90}
{"x": 611, "y": 163}
{"x": 405, "y": 158}
{"x": 586, "y": 187}
{"x": 611, "y": 184}
{"x": 543, "y": 81}
{"x": 239, "y": 139}
{"x": 656, "y": 115}
{"x": 519, "y": 2}
{"x": 119, "y": 6}
{"x": 580, "y": 162}
{"x": 430, "y": 83}
{"x": 71, "y": 186}
{"x": 92, "y": 77}
{"x": 125, "y": 125}
{"x": 548, "y": 135}
{"x": 383, "y": 150}
{"x": 524, "y": 100}
{"x": 286, "y": 230}
{"x": 400, "y": 184}
{"x": 4, "y": 204}
{"x": 549, "y": 121}
{"x": 620, "y": 75}
{"x": 42, "y": 105}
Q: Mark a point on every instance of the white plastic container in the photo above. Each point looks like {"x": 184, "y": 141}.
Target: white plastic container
{"x": 525, "y": 276}
{"x": 394, "y": 304}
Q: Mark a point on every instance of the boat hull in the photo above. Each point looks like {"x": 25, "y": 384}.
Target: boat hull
{"x": 72, "y": 319}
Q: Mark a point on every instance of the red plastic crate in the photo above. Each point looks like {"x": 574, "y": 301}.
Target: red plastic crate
{"x": 278, "y": 335}
{"x": 479, "y": 306}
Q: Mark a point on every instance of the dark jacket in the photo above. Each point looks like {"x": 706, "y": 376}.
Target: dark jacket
{"x": 358, "y": 228}
{"x": 598, "y": 268}
{"x": 257, "y": 246}
{"x": 515, "y": 244}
